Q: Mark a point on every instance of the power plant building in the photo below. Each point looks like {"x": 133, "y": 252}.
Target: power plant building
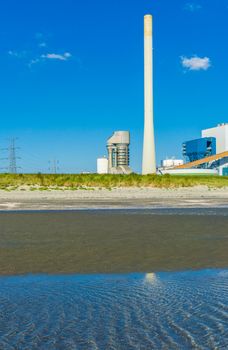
{"x": 208, "y": 154}
{"x": 220, "y": 133}
{"x": 204, "y": 156}
{"x": 199, "y": 148}
{"x": 171, "y": 162}
{"x": 118, "y": 153}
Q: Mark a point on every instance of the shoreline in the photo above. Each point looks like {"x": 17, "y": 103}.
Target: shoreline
{"x": 116, "y": 198}
{"x": 113, "y": 274}
{"x": 213, "y": 210}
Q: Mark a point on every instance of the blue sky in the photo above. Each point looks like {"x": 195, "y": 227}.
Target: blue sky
{"x": 71, "y": 72}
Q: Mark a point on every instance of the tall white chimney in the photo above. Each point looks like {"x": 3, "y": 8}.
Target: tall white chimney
{"x": 149, "y": 161}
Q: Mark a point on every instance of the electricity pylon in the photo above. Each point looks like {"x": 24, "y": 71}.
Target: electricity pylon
{"x": 54, "y": 166}
{"x": 12, "y": 157}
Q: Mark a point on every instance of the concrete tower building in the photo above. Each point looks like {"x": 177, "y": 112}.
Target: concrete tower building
{"x": 118, "y": 153}
{"x": 149, "y": 161}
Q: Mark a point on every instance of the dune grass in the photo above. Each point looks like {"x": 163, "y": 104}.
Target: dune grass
{"x": 89, "y": 181}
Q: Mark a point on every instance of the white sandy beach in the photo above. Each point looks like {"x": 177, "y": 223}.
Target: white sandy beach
{"x": 201, "y": 196}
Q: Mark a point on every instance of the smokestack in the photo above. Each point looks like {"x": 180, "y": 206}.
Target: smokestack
{"x": 149, "y": 161}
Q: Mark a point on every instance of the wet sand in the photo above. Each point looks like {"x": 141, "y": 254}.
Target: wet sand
{"x": 110, "y": 241}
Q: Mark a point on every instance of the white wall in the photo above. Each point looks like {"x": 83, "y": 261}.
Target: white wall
{"x": 190, "y": 171}
{"x": 102, "y": 165}
{"x": 166, "y": 163}
{"x": 221, "y": 134}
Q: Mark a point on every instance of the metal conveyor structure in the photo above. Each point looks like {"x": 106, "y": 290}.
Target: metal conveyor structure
{"x": 203, "y": 161}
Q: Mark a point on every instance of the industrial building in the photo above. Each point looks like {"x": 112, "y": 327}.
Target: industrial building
{"x": 118, "y": 155}
{"x": 171, "y": 162}
{"x": 207, "y": 155}
{"x": 199, "y": 148}
{"x": 220, "y": 133}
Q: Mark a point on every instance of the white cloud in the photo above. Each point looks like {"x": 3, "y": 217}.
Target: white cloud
{"x": 17, "y": 54}
{"x": 33, "y": 61}
{"x": 196, "y": 63}
{"x": 32, "y": 58}
{"x": 55, "y": 56}
{"x": 192, "y": 7}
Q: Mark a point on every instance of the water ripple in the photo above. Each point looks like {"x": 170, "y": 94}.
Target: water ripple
{"x": 186, "y": 310}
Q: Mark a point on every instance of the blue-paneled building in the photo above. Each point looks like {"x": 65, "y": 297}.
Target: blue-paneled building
{"x": 199, "y": 148}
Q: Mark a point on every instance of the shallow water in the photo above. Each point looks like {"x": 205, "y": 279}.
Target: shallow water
{"x": 184, "y": 310}
{"x": 113, "y": 241}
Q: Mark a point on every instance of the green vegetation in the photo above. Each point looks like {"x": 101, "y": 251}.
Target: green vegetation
{"x": 90, "y": 181}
